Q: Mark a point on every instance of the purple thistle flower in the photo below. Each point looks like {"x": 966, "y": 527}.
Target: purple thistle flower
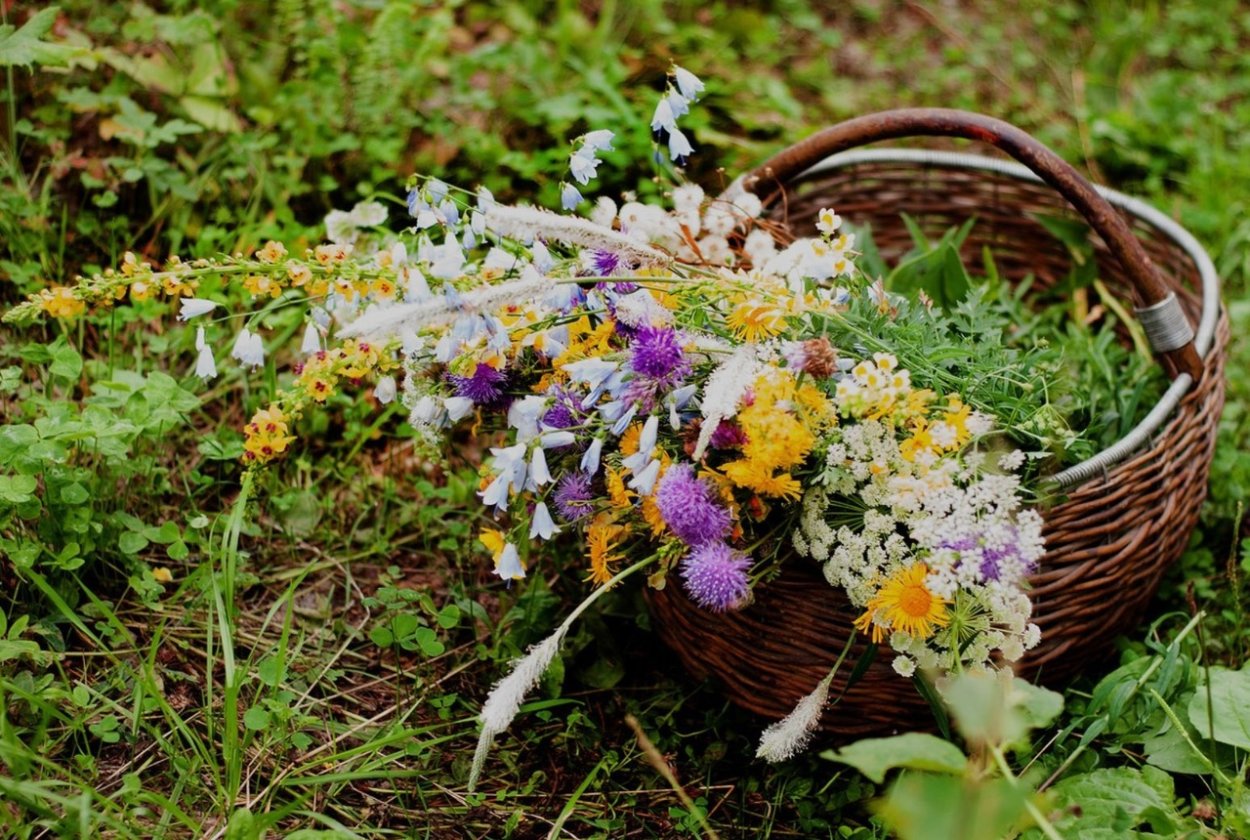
{"x": 657, "y": 354}
{"x": 716, "y": 576}
{"x": 689, "y": 508}
{"x": 573, "y": 496}
{"x": 484, "y": 387}
{"x": 605, "y": 263}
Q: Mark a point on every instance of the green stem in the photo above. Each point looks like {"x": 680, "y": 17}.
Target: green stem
{"x": 1038, "y": 817}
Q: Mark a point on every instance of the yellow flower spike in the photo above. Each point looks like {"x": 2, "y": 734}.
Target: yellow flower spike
{"x": 59, "y": 302}
{"x": 266, "y": 435}
{"x": 259, "y": 285}
{"x": 140, "y": 290}
{"x": 298, "y": 273}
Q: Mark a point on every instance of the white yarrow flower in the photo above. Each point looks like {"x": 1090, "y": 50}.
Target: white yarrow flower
{"x": 828, "y": 221}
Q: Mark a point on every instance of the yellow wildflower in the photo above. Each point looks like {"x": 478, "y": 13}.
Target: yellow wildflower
{"x": 905, "y": 604}
{"x": 600, "y": 538}
{"x": 140, "y": 290}
{"x": 494, "y": 541}
{"x": 179, "y": 286}
{"x": 59, "y": 302}
{"x": 326, "y": 254}
{"x": 921, "y": 441}
{"x": 266, "y": 435}
{"x": 384, "y": 288}
{"x": 755, "y": 320}
{"x": 299, "y": 274}
{"x": 618, "y": 493}
{"x": 260, "y": 285}
{"x": 272, "y": 252}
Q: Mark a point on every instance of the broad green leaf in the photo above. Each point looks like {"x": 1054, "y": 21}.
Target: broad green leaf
{"x": 1228, "y": 706}
{"x": 874, "y": 757}
{"x": 924, "y": 806}
{"x": 74, "y": 494}
{"x": 429, "y": 643}
{"x": 1040, "y": 706}
{"x": 132, "y": 542}
{"x": 66, "y": 362}
{"x": 24, "y": 47}
{"x": 1122, "y": 798}
{"x": 256, "y": 719}
{"x": 243, "y": 826}
{"x": 213, "y": 114}
{"x": 16, "y": 489}
{"x": 271, "y": 670}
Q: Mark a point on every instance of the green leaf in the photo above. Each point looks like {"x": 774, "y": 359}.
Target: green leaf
{"x": 428, "y": 640}
{"x": 256, "y": 719}
{"x": 448, "y": 616}
{"x": 874, "y": 757}
{"x": 66, "y": 362}
{"x": 243, "y": 826}
{"x": 25, "y": 46}
{"x": 1039, "y": 706}
{"x": 923, "y": 806}
{"x": 211, "y": 113}
{"x": 988, "y": 710}
{"x": 271, "y": 670}
{"x": 132, "y": 542}
{"x": 16, "y": 489}
{"x": 1122, "y": 798}
{"x": 1229, "y": 707}
{"x": 74, "y": 494}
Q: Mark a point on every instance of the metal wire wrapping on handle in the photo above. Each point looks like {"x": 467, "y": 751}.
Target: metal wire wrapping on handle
{"x": 1141, "y": 433}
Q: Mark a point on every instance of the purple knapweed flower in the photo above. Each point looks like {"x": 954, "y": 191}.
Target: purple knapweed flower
{"x": 484, "y": 387}
{"x": 716, "y": 576}
{"x": 573, "y": 497}
{"x": 657, "y": 354}
{"x": 689, "y": 508}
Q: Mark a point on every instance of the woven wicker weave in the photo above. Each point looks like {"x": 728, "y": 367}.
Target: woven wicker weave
{"x": 1109, "y": 540}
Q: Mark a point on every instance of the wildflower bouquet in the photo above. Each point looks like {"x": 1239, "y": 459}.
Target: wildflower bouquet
{"x": 685, "y": 392}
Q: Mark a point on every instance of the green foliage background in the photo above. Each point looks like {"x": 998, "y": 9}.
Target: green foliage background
{"x": 317, "y": 669}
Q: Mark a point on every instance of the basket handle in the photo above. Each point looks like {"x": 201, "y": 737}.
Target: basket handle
{"x": 1165, "y": 323}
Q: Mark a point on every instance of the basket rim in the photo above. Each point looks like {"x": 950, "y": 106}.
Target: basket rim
{"x": 1139, "y": 435}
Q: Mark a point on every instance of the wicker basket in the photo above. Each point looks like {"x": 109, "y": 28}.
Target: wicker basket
{"x": 1126, "y": 513}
